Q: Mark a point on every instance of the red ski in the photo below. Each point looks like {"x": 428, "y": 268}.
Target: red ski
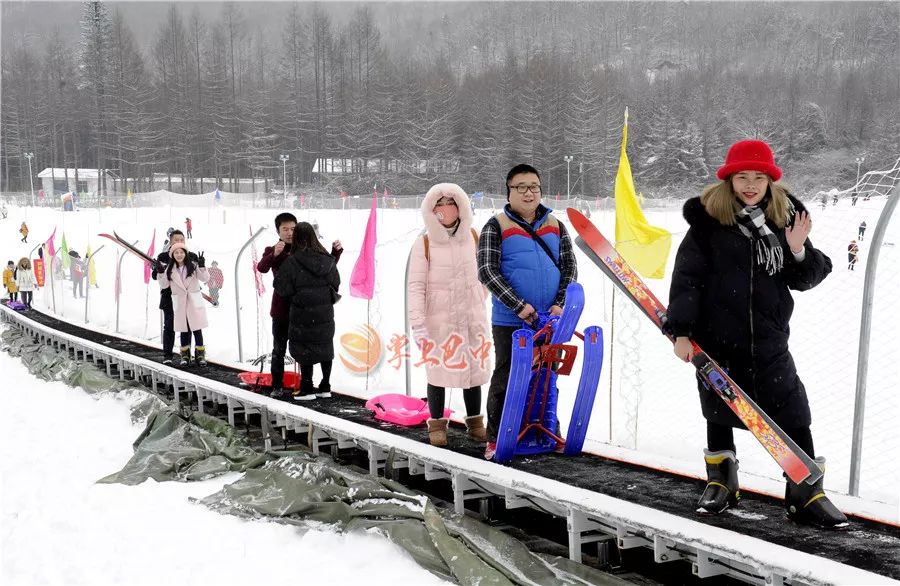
{"x": 144, "y": 257}
{"x": 793, "y": 460}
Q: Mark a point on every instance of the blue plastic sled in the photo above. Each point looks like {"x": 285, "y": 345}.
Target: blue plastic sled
{"x": 529, "y": 422}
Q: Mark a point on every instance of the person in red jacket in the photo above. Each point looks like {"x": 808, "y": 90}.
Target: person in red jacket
{"x": 272, "y": 258}
{"x": 216, "y": 280}
{"x": 188, "y": 226}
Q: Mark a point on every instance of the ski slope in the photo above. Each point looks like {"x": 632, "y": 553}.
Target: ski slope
{"x": 646, "y": 408}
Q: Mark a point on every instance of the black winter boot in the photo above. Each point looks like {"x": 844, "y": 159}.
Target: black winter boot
{"x": 722, "y": 489}
{"x": 185, "y": 356}
{"x": 306, "y": 392}
{"x": 200, "y": 355}
{"x": 808, "y": 505}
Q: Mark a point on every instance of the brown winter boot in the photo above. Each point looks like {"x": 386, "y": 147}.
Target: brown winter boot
{"x": 437, "y": 431}
{"x": 475, "y": 428}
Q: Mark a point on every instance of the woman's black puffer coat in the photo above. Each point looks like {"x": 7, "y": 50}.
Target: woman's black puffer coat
{"x": 740, "y": 315}
{"x": 310, "y": 280}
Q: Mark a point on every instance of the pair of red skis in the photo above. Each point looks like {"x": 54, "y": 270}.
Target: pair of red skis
{"x": 146, "y": 258}
{"x": 798, "y": 466}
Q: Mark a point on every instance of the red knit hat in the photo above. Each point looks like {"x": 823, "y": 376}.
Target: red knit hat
{"x": 749, "y": 155}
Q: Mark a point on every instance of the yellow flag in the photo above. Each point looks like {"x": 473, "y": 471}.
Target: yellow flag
{"x": 92, "y": 270}
{"x": 644, "y": 247}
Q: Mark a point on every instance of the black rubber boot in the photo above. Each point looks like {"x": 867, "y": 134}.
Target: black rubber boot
{"x": 722, "y": 489}
{"x": 808, "y": 505}
{"x": 185, "y": 356}
{"x": 306, "y": 392}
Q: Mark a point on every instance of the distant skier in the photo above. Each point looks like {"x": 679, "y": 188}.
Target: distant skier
{"x": 854, "y": 197}
{"x": 76, "y": 273}
{"x": 3, "y": 211}
{"x": 23, "y": 230}
{"x": 9, "y": 280}
{"x": 216, "y": 280}
{"x": 862, "y": 231}
{"x": 852, "y": 254}
{"x": 25, "y": 281}
{"x": 730, "y": 293}
{"x": 188, "y": 226}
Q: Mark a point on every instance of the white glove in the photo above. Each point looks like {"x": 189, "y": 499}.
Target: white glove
{"x": 419, "y": 334}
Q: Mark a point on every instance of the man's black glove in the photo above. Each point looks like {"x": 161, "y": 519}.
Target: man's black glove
{"x": 201, "y": 260}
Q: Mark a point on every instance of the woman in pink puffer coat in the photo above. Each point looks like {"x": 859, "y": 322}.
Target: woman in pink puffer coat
{"x": 447, "y": 309}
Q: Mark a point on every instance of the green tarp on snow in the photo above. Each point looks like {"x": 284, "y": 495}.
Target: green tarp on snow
{"x": 173, "y": 448}
{"x": 302, "y": 489}
{"x": 53, "y": 365}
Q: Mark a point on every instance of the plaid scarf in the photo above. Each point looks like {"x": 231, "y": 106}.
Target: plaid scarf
{"x": 769, "y": 254}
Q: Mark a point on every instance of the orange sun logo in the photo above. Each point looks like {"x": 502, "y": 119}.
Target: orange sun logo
{"x": 361, "y": 349}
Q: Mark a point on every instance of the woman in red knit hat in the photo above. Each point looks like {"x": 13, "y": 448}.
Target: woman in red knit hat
{"x": 746, "y": 248}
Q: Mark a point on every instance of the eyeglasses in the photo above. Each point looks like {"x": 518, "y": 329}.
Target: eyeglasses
{"x": 522, "y": 188}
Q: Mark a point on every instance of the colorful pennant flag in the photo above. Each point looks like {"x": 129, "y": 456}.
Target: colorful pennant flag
{"x": 362, "y": 279}
{"x": 644, "y": 247}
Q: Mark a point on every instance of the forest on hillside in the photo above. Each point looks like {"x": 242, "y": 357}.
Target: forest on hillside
{"x": 408, "y": 94}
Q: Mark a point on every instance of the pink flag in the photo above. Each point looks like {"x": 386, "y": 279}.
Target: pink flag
{"x": 362, "y": 279}
{"x": 51, "y": 250}
{"x": 150, "y": 252}
{"x": 260, "y": 286}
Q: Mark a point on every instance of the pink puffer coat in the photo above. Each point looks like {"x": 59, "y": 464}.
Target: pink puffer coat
{"x": 187, "y": 300}
{"x": 446, "y": 298}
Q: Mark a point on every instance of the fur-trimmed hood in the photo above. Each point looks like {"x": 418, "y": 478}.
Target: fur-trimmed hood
{"x": 437, "y": 232}
{"x": 695, "y": 214}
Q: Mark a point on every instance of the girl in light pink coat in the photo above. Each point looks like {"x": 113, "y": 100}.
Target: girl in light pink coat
{"x": 447, "y": 309}
{"x": 184, "y": 276}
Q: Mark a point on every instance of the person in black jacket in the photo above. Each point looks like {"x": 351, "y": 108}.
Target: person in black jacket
{"x": 165, "y": 299}
{"x": 747, "y": 246}
{"x": 309, "y": 279}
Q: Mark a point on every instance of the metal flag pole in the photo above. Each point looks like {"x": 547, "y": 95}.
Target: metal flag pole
{"x": 237, "y": 292}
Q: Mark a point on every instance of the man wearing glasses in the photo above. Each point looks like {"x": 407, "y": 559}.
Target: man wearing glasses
{"x": 525, "y": 259}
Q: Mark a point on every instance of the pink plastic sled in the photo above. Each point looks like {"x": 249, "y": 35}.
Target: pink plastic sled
{"x": 400, "y": 409}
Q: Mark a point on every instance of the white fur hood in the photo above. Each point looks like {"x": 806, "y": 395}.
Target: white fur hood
{"x": 436, "y": 232}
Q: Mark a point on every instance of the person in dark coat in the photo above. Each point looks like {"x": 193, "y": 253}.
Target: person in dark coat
{"x": 272, "y": 259}
{"x": 309, "y": 281}
{"x": 746, "y": 248}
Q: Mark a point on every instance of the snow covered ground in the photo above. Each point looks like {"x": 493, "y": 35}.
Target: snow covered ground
{"x": 58, "y": 527}
{"x": 646, "y": 408}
